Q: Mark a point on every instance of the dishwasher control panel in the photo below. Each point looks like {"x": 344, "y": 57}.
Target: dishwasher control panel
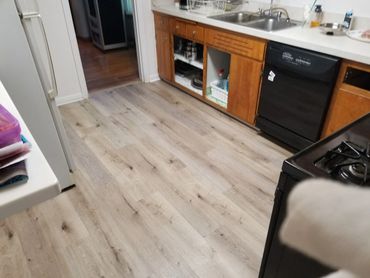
{"x": 298, "y": 60}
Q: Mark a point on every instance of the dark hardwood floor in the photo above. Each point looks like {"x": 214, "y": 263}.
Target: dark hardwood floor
{"x": 107, "y": 69}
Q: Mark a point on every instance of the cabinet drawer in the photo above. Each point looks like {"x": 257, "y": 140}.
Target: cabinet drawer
{"x": 195, "y": 32}
{"x": 237, "y": 44}
{"x": 161, "y": 22}
{"x": 178, "y": 27}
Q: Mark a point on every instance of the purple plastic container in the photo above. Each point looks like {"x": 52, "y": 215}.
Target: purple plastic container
{"x": 10, "y": 130}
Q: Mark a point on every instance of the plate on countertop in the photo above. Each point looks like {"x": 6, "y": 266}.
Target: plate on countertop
{"x": 358, "y": 35}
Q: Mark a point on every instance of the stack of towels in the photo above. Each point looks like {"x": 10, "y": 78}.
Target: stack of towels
{"x": 14, "y": 150}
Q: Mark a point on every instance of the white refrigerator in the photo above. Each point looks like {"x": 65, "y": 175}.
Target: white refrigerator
{"x": 26, "y": 70}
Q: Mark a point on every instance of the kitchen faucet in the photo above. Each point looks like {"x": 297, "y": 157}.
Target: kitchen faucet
{"x": 270, "y": 11}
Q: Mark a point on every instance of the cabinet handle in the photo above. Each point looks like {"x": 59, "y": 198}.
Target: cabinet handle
{"x": 194, "y": 32}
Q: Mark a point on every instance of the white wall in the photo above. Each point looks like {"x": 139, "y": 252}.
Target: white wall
{"x": 360, "y": 7}
{"x": 145, "y": 40}
{"x": 64, "y": 50}
{"x": 146, "y": 37}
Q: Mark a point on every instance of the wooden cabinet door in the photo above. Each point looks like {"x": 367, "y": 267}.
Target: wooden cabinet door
{"x": 164, "y": 60}
{"x": 348, "y": 102}
{"x": 346, "y": 106}
{"x": 161, "y": 22}
{"x": 244, "y": 84}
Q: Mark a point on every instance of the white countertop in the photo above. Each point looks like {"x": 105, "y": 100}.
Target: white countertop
{"x": 308, "y": 38}
{"x": 42, "y": 183}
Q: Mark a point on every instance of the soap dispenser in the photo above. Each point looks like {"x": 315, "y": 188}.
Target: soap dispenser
{"x": 317, "y": 17}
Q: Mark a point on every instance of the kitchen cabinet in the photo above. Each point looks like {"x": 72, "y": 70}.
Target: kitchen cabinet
{"x": 226, "y": 70}
{"x": 163, "y": 46}
{"x": 161, "y": 22}
{"x": 245, "y": 75}
{"x": 178, "y": 27}
{"x": 188, "y": 49}
{"x": 188, "y": 30}
{"x": 229, "y": 68}
{"x": 163, "y": 55}
{"x": 351, "y": 97}
{"x": 195, "y": 32}
{"x": 237, "y": 44}
{"x": 241, "y": 72}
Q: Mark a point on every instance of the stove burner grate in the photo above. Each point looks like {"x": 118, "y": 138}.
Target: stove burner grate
{"x": 347, "y": 162}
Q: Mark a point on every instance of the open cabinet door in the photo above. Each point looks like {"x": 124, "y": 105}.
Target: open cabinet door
{"x": 163, "y": 47}
{"x": 164, "y": 54}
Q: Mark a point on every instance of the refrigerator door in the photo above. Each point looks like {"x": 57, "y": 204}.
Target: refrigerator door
{"x": 35, "y": 32}
{"x": 25, "y": 81}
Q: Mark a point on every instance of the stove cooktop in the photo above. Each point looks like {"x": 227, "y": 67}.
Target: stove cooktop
{"x": 347, "y": 162}
{"x": 343, "y": 156}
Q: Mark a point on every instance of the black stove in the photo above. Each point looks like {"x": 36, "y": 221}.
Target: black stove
{"x": 343, "y": 156}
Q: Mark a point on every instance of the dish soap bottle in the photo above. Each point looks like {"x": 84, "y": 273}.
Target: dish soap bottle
{"x": 317, "y": 18}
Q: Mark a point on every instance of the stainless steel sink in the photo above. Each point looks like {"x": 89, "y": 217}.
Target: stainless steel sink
{"x": 258, "y": 21}
{"x": 271, "y": 24}
{"x": 238, "y": 18}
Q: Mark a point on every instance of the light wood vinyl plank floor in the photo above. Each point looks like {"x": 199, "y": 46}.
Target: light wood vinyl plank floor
{"x": 166, "y": 187}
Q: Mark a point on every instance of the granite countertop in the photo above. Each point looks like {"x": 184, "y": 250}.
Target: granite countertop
{"x": 308, "y": 38}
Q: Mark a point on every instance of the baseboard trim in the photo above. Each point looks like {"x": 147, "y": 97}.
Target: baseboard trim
{"x": 153, "y": 78}
{"x": 62, "y": 100}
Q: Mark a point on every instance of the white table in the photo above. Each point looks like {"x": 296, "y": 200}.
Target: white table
{"x": 42, "y": 183}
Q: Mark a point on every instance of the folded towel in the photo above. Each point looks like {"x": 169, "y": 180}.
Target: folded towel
{"x": 330, "y": 222}
{"x": 14, "y": 174}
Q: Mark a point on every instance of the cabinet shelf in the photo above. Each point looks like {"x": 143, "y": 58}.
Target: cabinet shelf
{"x": 186, "y": 82}
{"x": 194, "y": 63}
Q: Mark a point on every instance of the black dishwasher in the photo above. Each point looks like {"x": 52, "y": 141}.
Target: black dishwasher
{"x": 296, "y": 89}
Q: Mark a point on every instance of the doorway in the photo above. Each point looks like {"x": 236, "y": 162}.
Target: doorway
{"x": 106, "y": 40}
